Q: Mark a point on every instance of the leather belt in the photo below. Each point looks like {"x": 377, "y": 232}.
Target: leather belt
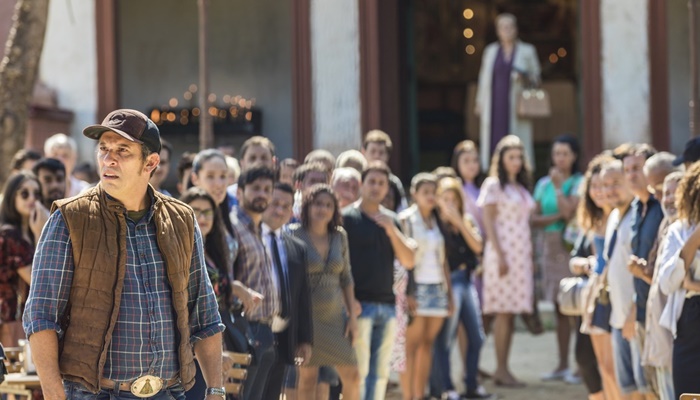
{"x": 126, "y": 386}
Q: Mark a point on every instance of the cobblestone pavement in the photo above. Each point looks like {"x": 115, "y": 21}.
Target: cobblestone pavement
{"x": 531, "y": 357}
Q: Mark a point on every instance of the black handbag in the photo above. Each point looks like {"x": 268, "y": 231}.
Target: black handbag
{"x": 238, "y": 337}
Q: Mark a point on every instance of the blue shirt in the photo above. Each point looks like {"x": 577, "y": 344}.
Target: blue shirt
{"x": 145, "y": 339}
{"x": 645, "y": 228}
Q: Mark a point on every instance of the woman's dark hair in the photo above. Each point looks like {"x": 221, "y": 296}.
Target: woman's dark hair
{"x": 215, "y": 245}
{"x": 9, "y": 216}
{"x": 204, "y": 156}
{"x": 498, "y": 170}
{"x": 396, "y": 192}
{"x": 466, "y": 146}
{"x": 314, "y": 192}
{"x": 571, "y": 141}
{"x": 588, "y": 214}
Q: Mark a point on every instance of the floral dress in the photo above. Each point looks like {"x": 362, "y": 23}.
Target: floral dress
{"x": 513, "y": 292}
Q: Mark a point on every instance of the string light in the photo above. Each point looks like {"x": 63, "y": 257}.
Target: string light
{"x": 553, "y": 58}
{"x": 468, "y": 13}
{"x": 468, "y": 33}
{"x": 235, "y": 108}
{"x": 561, "y": 52}
{"x": 470, "y": 49}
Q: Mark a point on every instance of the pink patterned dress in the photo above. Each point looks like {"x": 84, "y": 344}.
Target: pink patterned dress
{"x": 512, "y": 293}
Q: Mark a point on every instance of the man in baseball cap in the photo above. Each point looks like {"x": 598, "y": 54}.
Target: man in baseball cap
{"x": 130, "y": 124}
{"x": 691, "y": 153}
{"x": 126, "y": 263}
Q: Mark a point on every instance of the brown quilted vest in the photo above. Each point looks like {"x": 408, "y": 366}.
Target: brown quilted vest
{"x": 98, "y": 230}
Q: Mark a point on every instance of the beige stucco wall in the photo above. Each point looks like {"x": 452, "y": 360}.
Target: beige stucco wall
{"x": 69, "y": 64}
{"x": 335, "y": 55}
{"x": 625, "y": 71}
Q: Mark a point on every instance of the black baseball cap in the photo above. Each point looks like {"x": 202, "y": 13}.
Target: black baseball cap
{"x": 691, "y": 152}
{"x": 130, "y": 124}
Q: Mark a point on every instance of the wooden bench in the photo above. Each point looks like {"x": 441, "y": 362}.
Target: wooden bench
{"x": 235, "y": 367}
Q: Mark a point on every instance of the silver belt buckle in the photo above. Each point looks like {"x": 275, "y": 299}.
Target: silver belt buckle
{"x": 146, "y": 386}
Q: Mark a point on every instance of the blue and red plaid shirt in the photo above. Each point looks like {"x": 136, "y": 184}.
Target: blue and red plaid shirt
{"x": 144, "y": 340}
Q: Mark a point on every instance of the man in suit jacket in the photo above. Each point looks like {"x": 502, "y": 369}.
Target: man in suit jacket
{"x": 293, "y": 329}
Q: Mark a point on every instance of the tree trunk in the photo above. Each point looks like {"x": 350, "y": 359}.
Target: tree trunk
{"x": 18, "y": 71}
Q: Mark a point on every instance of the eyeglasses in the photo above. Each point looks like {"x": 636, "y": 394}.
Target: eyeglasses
{"x": 24, "y": 194}
{"x": 208, "y": 213}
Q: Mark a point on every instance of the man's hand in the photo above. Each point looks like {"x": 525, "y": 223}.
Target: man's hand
{"x": 251, "y": 300}
{"x": 303, "y": 354}
{"x": 385, "y": 222}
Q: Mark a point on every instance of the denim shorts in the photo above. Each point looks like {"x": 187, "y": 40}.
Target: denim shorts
{"x": 431, "y": 299}
{"x": 325, "y": 375}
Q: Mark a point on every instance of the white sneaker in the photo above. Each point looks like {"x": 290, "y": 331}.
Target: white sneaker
{"x": 556, "y": 375}
{"x": 573, "y": 379}
{"x": 451, "y": 395}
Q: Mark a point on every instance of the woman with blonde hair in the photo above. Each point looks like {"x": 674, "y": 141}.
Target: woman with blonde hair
{"x": 592, "y": 215}
{"x": 508, "y": 266}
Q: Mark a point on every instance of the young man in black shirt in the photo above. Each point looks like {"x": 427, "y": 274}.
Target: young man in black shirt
{"x": 375, "y": 240}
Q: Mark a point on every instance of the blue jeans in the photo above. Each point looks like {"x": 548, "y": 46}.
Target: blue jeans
{"x": 627, "y": 359}
{"x": 467, "y": 311}
{"x": 76, "y": 391}
{"x": 265, "y": 356}
{"x": 373, "y": 347}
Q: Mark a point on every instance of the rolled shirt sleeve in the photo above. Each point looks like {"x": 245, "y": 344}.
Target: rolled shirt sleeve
{"x": 205, "y": 320}
{"x": 52, "y": 276}
{"x": 672, "y": 270}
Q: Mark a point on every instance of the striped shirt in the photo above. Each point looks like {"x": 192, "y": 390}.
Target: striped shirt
{"x": 144, "y": 340}
{"x": 253, "y": 266}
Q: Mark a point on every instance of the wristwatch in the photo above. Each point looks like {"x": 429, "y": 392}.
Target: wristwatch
{"x": 216, "y": 391}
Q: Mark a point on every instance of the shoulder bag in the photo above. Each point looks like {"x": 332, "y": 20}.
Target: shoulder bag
{"x": 533, "y": 102}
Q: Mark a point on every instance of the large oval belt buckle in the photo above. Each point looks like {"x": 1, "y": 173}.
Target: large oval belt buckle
{"x": 146, "y": 386}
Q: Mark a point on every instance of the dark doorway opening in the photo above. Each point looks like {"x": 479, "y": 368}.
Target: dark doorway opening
{"x": 444, "y": 43}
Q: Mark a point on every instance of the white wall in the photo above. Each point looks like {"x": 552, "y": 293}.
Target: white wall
{"x": 678, "y": 74}
{"x": 625, "y": 71}
{"x": 69, "y": 64}
{"x": 335, "y": 55}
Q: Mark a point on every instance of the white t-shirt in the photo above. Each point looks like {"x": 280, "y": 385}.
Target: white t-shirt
{"x": 430, "y": 254}
{"x": 620, "y": 279}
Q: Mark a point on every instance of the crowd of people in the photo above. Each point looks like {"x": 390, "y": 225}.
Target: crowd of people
{"x": 343, "y": 276}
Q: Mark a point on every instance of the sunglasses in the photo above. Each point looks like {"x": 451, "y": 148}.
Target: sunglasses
{"x": 208, "y": 213}
{"x": 24, "y": 194}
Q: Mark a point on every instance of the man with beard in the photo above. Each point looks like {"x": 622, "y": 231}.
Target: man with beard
{"x": 52, "y": 176}
{"x": 254, "y": 269}
{"x": 375, "y": 240}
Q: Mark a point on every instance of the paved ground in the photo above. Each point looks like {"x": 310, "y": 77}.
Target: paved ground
{"x": 531, "y": 357}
